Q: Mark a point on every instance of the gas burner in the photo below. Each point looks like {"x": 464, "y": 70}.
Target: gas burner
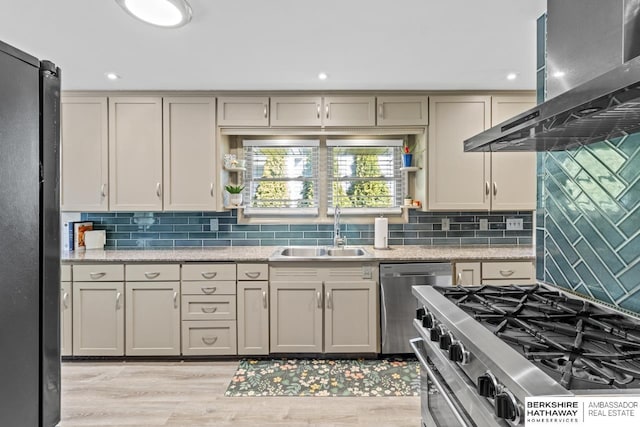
{"x": 577, "y": 343}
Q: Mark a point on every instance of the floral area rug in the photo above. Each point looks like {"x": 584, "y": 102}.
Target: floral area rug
{"x": 314, "y": 377}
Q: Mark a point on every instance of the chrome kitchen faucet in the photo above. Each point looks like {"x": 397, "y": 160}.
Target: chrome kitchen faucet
{"x": 338, "y": 241}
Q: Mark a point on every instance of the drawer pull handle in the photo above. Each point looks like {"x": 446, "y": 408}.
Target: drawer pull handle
{"x": 319, "y": 298}
{"x": 459, "y": 281}
{"x": 380, "y": 113}
{"x": 209, "y": 310}
{"x": 487, "y": 188}
{"x": 326, "y": 110}
{"x": 103, "y": 192}
{"x": 495, "y": 188}
{"x": 209, "y": 291}
{"x": 318, "y": 111}
{"x": 329, "y": 302}
{"x": 211, "y": 190}
{"x": 65, "y": 300}
{"x": 209, "y": 275}
{"x": 151, "y": 274}
{"x": 264, "y": 299}
{"x": 97, "y": 275}
{"x": 158, "y": 190}
{"x": 209, "y": 340}
{"x": 252, "y": 274}
{"x": 506, "y": 272}
{"x": 118, "y": 295}
{"x": 265, "y": 111}
{"x": 175, "y": 300}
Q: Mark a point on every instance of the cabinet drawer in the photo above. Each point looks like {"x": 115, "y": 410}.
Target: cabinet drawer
{"x": 196, "y": 307}
{"x": 209, "y": 272}
{"x": 98, "y": 273}
{"x": 65, "y": 273}
{"x": 215, "y": 337}
{"x": 507, "y": 282}
{"x": 507, "y": 270}
{"x": 156, "y": 272}
{"x": 253, "y": 271}
{"x": 220, "y": 287}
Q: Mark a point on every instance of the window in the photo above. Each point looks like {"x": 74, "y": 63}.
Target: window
{"x": 365, "y": 174}
{"x": 281, "y": 175}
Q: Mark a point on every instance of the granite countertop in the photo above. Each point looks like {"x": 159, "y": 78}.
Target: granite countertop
{"x": 262, "y": 254}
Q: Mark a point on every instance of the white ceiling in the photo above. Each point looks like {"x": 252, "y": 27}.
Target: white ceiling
{"x": 284, "y": 44}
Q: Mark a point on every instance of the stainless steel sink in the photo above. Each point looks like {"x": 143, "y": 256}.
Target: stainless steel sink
{"x": 301, "y": 253}
{"x": 333, "y": 252}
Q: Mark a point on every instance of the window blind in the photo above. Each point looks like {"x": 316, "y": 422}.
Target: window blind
{"x": 365, "y": 174}
{"x": 281, "y": 175}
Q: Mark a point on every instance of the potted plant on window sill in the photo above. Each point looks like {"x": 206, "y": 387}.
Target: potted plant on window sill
{"x": 235, "y": 194}
{"x": 408, "y": 200}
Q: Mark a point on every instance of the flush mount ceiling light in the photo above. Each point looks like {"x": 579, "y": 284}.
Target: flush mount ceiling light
{"x": 112, "y": 76}
{"x": 512, "y": 76}
{"x": 323, "y": 76}
{"x": 162, "y": 13}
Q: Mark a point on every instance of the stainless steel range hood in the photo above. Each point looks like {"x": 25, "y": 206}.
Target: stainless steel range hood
{"x": 593, "y": 81}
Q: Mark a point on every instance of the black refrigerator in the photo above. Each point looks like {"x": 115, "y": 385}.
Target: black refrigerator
{"x": 29, "y": 240}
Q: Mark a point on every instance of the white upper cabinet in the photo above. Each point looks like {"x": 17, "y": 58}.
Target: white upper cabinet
{"x": 243, "y": 111}
{"x": 296, "y": 111}
{"x": 349, "y": 111}
{"x": 189, "y": 147}
{"x": 84, "y": 152}
{"x": 457, "y": 180}
{"x": 403, "y": 110}
{"x": 508, "y": 193}
{"x": 460, "y": 180}
{"x": 135, "y": 153}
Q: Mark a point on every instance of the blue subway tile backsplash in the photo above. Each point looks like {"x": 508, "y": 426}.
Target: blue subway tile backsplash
{"x": 189, "y": 229}
{"x": 588, "y": 240}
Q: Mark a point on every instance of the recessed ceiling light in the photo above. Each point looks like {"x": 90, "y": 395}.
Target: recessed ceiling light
{"x": 512, "y": 76}
{"x": 163, "y": 13}
{"x": 559, "y": 74}
{"x": 323, "y": 76}
{"x": 112, "y": 76}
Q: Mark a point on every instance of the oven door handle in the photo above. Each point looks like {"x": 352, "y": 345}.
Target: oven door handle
{"x": 434, "y": 379}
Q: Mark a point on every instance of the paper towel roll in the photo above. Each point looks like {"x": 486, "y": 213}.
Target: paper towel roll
{"x": 381, "y": 233}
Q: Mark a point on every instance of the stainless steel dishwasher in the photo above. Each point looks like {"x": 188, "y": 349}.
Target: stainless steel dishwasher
{"x": 398, "y": 305}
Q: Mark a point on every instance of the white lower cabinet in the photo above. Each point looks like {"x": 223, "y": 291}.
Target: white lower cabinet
{"x": 253, "y": 308}
{"x": 328, "y": 308}
{"x": 209, "y": 309}
{"x": 494, "y": 273}
{"x": 66, "y": 319}
{"x": 153, "y": 318}
{"x": 296, "y": 317}
{"x": 350, "y": 317}
{"x": 98, "y": 318}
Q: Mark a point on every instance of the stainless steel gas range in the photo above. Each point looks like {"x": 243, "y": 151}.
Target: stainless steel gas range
{"x": 483, "y": 349}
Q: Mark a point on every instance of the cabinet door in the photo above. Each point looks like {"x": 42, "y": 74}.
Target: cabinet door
{"x": 349, "y": 111}
{"x": 189, "y": 129}
{"x": 351, "y": 317}
{"x": 467, "y": 274}
{"x": 135, "y": 154}
{"x": 253, "y": 317}
{"x": 296, "y": 317}
{"x": 457, "y": 180}
{"x": 153, "y": 318}
{"x": 66, "y": 348}
{"x": 98, "y": 319}
{"x": 296, "y": 111}
{"x": 513, "y": 175}
{"x": 84, "y": 166}
{"x": 403, "y": 111}
{"x": 243, "y": 111}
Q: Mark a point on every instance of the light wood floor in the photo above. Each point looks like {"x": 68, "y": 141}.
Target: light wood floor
{"x": 192, "y": 394}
